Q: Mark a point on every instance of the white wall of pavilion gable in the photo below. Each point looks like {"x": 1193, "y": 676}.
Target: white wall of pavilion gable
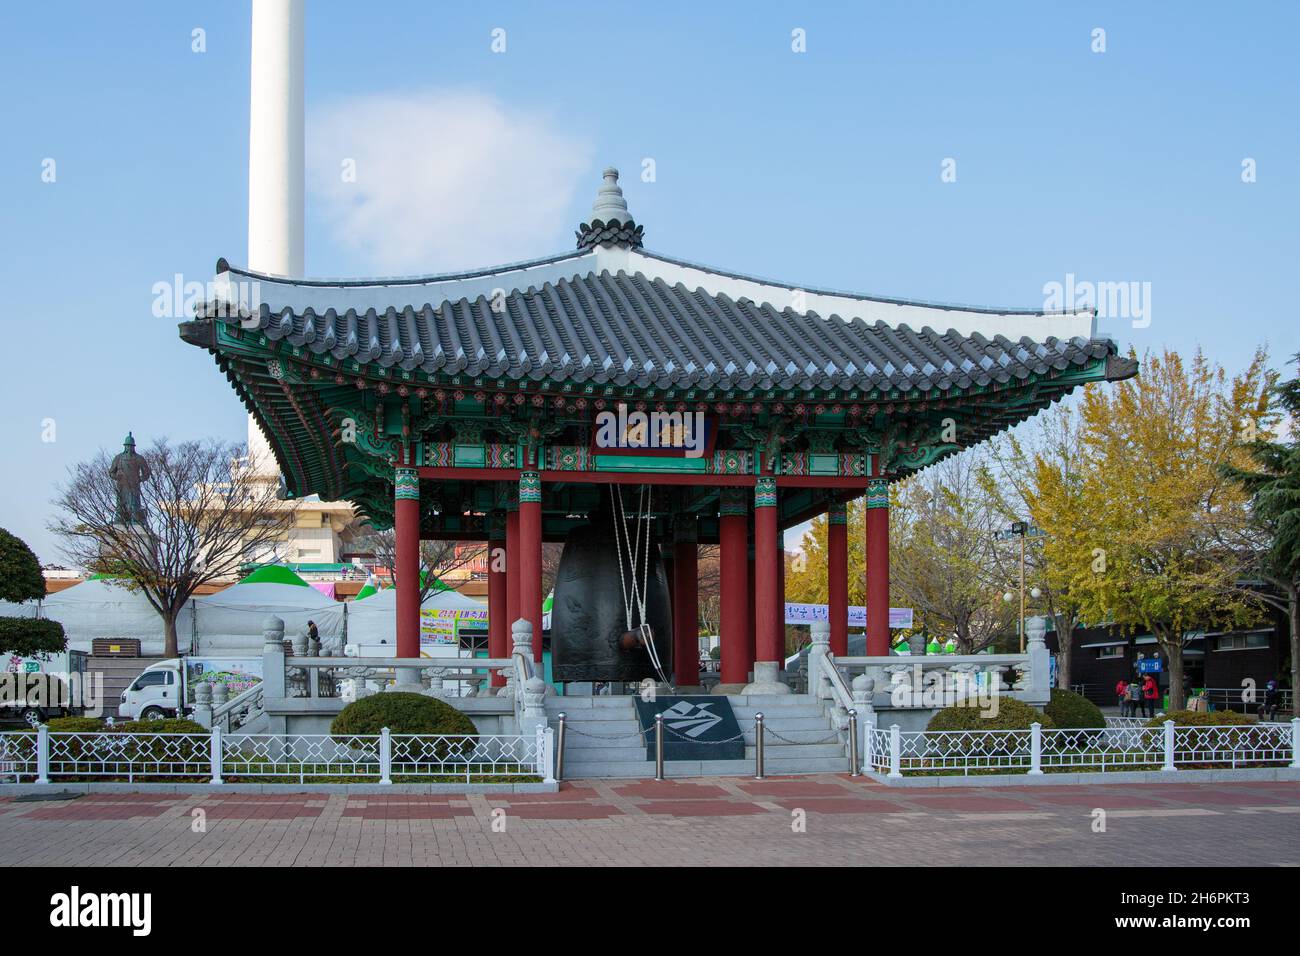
{"x": 1014, "y": 325}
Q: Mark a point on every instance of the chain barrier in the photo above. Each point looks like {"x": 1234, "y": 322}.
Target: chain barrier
{"x": 569, "y": 728}
{"x": 833, "y": 738}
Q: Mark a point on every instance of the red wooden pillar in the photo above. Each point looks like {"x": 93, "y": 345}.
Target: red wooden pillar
{"x": 733, "y": 558}
{"x": 780, "y": 587}
{"x": 406, "y": 530}
{"x": 769, "y": 618}
{"x": 512, "y": 570}
{"x": 750, "y": 649}
{"x": 498, "y": 609}
{"x": 837, "y": 576}
{"x": 877, "y": 568}
{"x": 686, "y": 603}
{"x": 530, "y": 555}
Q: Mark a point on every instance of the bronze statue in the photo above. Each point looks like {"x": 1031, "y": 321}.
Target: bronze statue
{"x": 129, "y": 470}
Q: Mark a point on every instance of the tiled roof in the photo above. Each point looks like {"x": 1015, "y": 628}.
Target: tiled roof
{"x": 632, "y": 330}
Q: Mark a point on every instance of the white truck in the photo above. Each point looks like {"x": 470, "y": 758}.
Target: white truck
{"x": 166, "y": 688}
{"x": 48, "y": 685}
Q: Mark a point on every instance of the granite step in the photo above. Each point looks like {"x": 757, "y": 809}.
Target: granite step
{"x": 644, "y": 769}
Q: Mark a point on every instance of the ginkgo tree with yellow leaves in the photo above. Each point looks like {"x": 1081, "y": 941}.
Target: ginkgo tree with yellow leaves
{"x": 1135, "y": 533}
{"x": 1036, "y": 472}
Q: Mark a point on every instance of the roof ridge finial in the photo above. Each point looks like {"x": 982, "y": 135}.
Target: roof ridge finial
{"x": 610, "y": 223}
{"x": 610, "y": 205}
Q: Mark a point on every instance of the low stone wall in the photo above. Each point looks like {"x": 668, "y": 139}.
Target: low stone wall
{"x": 312, "y": 715}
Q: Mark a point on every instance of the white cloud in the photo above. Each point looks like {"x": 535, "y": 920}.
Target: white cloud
{"x": 444, "y": 180}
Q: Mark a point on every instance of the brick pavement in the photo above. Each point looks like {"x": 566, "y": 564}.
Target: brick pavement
{"x": 822, "y": 819}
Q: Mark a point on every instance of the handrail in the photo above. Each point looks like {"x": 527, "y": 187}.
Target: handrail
{"x": 420, "y": 663}
{"x": 382, "y": 668}
{"x": 935, "y": 660}
{"x": 839, "y": 689}
{"x": 222, "y": 714}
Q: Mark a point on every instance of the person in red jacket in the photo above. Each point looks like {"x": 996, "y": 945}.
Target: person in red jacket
{"x": 1121, "y": 692}
{"x": 1150, "y": 695}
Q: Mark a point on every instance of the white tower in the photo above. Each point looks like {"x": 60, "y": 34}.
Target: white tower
{"x": 275, "y": 158}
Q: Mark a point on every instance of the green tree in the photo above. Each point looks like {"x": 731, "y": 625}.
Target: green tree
{"x": 21, "y": 580}
{"x": 206, "y": 514}
{"x": 942, "y": 559}
{"x": 1272, "y": 478}
{"x": 1036, "y": 473}
{"x": 806, "y": 579}
{"x": 1151, "y": 553}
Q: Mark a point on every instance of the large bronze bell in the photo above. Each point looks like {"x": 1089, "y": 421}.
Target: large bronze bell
{"x": 590, "y": 639}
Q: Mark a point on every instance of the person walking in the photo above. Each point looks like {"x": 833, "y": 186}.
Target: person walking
{"x": 1150, "y": 695}
{"x": 1272, "y": 700}
{"x": 1135, "y": 698}
{"x": 1121, "y": 694}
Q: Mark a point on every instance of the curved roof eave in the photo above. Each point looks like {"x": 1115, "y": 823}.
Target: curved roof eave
{"x": 251, "y": 290}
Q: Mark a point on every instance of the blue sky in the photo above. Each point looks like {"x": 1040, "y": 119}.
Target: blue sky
{"x": 819, "y": 168}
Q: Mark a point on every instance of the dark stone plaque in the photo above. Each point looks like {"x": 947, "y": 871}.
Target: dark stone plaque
{"x": 694, "y": 728}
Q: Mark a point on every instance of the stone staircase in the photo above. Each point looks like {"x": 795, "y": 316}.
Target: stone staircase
{"x": 603, "y": 739}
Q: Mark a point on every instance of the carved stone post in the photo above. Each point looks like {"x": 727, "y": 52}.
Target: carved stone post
{"x": 821, "y": 636}
{"x": 522, "y": 634}
{"x": 532, "y": 716}
{"x": 864, "y": 689}
{"x": 273, "y": 657}
{"x": 203, "y": 705}
{"x": 1039, "y": 678}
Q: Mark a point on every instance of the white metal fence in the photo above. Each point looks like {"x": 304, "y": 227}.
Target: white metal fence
{"x": 1119, "y": 747}
{"x": 217, "y": 757}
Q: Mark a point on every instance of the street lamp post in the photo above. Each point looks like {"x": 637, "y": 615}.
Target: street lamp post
{"x": 1021, "y": 530}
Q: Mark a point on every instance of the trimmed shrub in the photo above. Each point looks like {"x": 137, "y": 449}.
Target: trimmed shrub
{"x": 969, "y": 714}
{"x": 1199, "y": 718}
{"x": 1069, "y": 711}
{"x": 169, "y": 725}
{"x": 401, "y": 713}
{"x": 77, "y": 725}
{"x": 27, "y": 637}
{"x": 192, "y": 752}
{"x": 77, "y": 748}
{"x": 1217, "y": 749}
{"x": 20, "y": 573}
{"x": 407, "y": 713}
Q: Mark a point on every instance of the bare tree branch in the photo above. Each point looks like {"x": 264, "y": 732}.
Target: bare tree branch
{"x": 205, "y": 514}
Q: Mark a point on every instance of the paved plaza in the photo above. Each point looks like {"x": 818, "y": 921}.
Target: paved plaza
{"x": 704, "y": 822}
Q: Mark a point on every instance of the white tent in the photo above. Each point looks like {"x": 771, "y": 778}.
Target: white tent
{"x": 230, "y": 621}
{"x": 103, "y": 608}
{"x": 373, "y": 620}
